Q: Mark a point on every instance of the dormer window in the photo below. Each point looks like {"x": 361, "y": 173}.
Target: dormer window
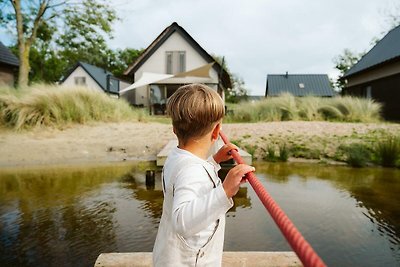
{"x": 175, "y": 61}
{"x": 301, "y": 85}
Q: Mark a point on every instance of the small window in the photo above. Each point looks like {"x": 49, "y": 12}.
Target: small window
{"x": 301, "y": 85}
{"x": 175, "y": 61}
{"x": 182, "y": 61}
{"x": 80, "y": 80}
{"x": 168, "y": 56}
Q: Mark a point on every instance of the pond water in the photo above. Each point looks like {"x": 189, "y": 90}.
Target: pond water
{"x": 68, "y": 216}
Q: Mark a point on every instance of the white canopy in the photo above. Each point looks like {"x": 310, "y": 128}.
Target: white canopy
{"x": 149, "y": 78}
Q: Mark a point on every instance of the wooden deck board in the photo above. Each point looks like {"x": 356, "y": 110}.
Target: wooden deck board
{"x": 229, "y": 259}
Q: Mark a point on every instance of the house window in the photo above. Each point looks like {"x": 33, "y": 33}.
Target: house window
{"x": 175, "y": 62}
{"x": 367, "y": 92}
{"x": 182, "y": 61}
{"x": 80, "y": 80}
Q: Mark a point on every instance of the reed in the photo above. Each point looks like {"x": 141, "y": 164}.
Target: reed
{"x": 387, "y": 151}
{"x": 52, "y": 105}
{"x": 309, "y": 108}
{"x": 357, "y": 154}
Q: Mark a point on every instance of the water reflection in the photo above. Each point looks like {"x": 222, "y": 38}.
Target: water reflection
{"x": 366, "y": 207}
{"x": 152, "y": 196}
{"x": 58, "y": 216}
{"x": 68, "y": 216}
{"x": 376, "y": 189}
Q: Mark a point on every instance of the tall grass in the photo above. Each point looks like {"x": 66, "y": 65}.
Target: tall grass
{"x": 388, "y": 151}
{"x": 310, "y": 108}
{"x": 357, "y": 154}
{"x": 52, "y": 105}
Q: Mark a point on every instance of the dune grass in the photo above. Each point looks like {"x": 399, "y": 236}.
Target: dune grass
{"x": 52, "y": 105}
{"x": 388, "y": 151}
{"x": 287, "y": 107}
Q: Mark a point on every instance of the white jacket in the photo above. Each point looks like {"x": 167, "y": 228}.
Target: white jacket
{"x": 191, "y": 230}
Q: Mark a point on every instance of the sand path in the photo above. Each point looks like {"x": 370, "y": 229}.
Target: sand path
{"x": 110, "y": 142}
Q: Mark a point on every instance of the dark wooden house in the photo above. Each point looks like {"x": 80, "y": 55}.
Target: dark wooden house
{"x": 377, "y": 75}
{"x": 8, "y": 66}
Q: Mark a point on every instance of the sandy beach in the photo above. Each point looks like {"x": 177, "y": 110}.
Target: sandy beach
{"x": 127, "y": 141}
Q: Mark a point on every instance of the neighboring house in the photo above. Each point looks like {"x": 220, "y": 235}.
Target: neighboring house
{"x": 9, "y": 64}
{"x": 173, "y": 52}
{"x": 377, "y": 75}
{"x": 299, "y": 85}
{"x": 84, "y": 74}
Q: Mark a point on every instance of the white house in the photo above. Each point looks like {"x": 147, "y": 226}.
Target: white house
{"x": 84, "y": 74}
{"x": 173, "y": 59}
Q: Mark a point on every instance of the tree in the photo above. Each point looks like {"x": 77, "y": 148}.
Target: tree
{"x": 348, "y": 59}
{"x": 83, "y": 22}
{"x": 343, "y": 63}
{"x": 84, "y": 34}
{"x": 238, "y": 92}
{"x": 123, "y": 58}
{"x": 27, "y": 19}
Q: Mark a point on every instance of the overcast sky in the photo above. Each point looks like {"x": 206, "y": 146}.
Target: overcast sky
{"x": 259, "y": 37}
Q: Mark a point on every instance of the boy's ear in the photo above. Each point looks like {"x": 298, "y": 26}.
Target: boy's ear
{"x": 215, "y": 132}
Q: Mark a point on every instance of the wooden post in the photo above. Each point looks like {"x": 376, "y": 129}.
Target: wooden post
{"x": 150, "y": 179}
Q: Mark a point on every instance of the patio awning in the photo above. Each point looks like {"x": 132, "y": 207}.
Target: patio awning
{"x": 149, "y": 78}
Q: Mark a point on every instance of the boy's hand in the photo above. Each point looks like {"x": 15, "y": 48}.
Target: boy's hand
{"x": 234, "y": 178}
{"x": 224, "y": 154}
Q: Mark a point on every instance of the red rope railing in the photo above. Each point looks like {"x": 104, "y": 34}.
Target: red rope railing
{"x": 304, "y": 251}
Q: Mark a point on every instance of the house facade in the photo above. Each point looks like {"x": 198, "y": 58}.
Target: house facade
{"x": 377, "y": 75}
{"x": 9, "y": 64}
{"x": 173, "y": 59}
{"x": 299, "y": 85}
{"x": 95, "y": 78}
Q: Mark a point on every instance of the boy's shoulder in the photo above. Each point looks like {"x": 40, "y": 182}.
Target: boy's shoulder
{"x": 181, "y": 165}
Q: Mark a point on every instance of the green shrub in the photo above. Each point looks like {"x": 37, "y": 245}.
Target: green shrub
{"x": 270, "y": 154}
{"x": 52, "y": 105}
{"x": 357, "y": 155}
{"x": 283, "y": 152}
{"x": 251, "y": 149}
{"x": 302, "y": 151}
{"x": 388, "y": 151}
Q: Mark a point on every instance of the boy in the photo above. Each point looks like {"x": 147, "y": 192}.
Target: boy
{"x": 191, "y": 230}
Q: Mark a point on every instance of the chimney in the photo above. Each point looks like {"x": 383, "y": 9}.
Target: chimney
{"x": 287, "y": 75}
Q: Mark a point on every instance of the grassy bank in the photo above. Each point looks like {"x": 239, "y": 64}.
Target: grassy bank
{"x": 287, "y": 107}
{"x": 376, "y": 147}
{"x": 52, "y": 105}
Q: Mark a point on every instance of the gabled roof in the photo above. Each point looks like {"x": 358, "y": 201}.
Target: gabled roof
{"x": 386, "y": 50}
{"x": 6, "y": 57}
{"x": 299, "y": 85}
{"x": 174, "y": 27}
{"x": 98, "y": 74}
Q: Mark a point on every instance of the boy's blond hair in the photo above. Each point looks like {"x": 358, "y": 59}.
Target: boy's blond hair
{"x": 194, "y": 110}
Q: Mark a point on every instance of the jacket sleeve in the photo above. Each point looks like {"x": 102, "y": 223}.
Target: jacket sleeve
{"x": 195, "y": 206}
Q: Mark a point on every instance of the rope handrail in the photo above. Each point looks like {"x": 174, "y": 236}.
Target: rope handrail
{"x": 300, "y": 246}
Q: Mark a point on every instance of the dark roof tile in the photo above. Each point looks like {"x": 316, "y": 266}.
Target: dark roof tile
{"x": 299, "y": 85}
{"x": 7, "y": 57}
{"x": 99, "y": 75}
{"x": 388, "y": 48}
